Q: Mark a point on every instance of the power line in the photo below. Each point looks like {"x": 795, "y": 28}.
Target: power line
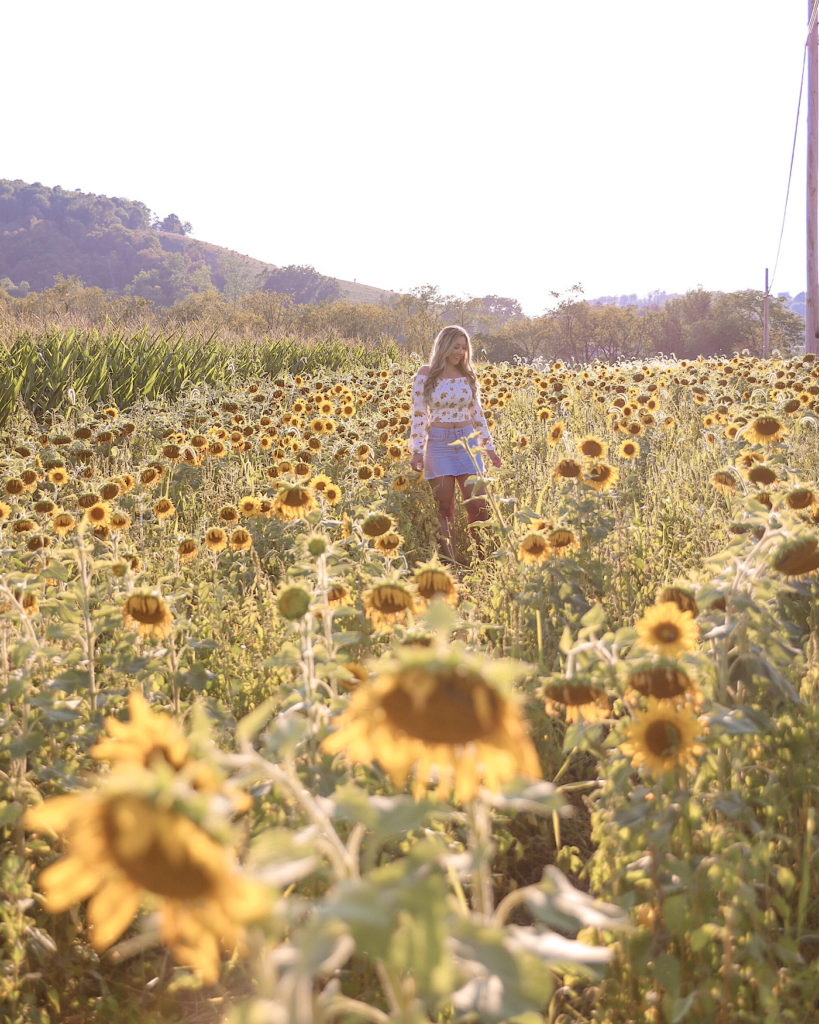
{"x": 811, "y": 22}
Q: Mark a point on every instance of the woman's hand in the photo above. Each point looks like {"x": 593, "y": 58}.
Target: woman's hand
{"x": 494, "y": 458}
{"x": 417, "y": 463}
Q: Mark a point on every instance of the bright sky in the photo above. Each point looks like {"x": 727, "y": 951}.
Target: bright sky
{"x": 514, "y": 148}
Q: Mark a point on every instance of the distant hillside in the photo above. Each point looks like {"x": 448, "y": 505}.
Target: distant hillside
{"x": 120, "y": 246}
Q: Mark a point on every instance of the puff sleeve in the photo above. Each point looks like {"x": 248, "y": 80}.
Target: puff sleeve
{"x": 420, "y": 416}
{"x": 475, "y": 413}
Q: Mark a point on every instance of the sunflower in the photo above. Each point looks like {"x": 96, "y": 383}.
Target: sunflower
{"x": 682, "y": 597}
{"x": 579, "y": 701}
{"x": 567, "y": 469}
{"x": 249, "y": 506}
{"x": 602, "y": 476}
{"x": 148, "y": 614}
{"x": 120, "y": 521}
{"x": 556, "y": 432}
{"x": 662, "y": 679}
{"x": 294, "y": 602}
{"x": 124, "y": 850}
{"x": 443, "y": 715}
{"x": 629, "y": 449}
{"x": 147, "y": 737}
{"x": 216, "y": 539}
{"x": 592, "y": 447}
{"x": 666, "y": 628}
{"x": 63, "y": 523}
{"x": 724, "y": 481}
{"x": 388, "y": 602}
{"x": 240, "y": 540}
{"x": 663, "y": 737}
{"x": 58, "y": 476}
{"x": 388, "y": 543}
{"x": 761, "y": 475}
{"x": 150, "y": 477}
{"x": 797, "y": 557}
{"x": 377, "y": 524}
{"x": 164, "y": 509}
{"x": 97, "y": 515}
{"x": 534, "y": 548}
{"x": 187, "y": 550}
{"x": 800, "y": 498}
{"x": 294, "y": 501}
{"x": 400, "y": 484}
{"x": 432, "y": 581}
{"x": 765, "y": 430}
{"x": 562, "y": 541}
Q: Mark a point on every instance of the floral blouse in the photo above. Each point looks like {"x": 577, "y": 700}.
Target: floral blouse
{"x": 451, "y": 401}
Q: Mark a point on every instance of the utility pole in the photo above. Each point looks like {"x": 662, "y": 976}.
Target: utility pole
{"x": 766, "y": 344}
{"x": 812, "y": 291}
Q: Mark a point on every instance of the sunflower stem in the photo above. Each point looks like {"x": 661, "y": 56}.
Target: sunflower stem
{"x": 480, "y": 835}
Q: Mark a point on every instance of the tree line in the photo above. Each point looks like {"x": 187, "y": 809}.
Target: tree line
{"x": 572, "y": 329}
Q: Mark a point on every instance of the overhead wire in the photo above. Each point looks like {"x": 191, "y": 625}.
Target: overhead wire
{"x": 811, "y": 24}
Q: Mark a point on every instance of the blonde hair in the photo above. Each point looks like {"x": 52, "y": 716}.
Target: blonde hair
{"x": 437, "y": 360}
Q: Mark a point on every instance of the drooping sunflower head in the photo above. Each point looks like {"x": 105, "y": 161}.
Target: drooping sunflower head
{"x": 567, "y": 469}
{"x": 765, "y": 430}
{"x": 534, "y": 548}
{"x": 562, "y": 542}
{"x": 662, "y": 679}
{"x": 377, "y": 524}
{"x": 761, "y": 475}
{"x": 667, "y": 629}
{"x": 388, "y": 602}
{"x": 432, "y": 581}
{"x": 801, "y": 498}
{"x": 663, "y": 738}
{"x": 240, "y": 540}
{"x": 447, "y": 716}
{"x": 578, "y": 700}
{"x": 216, "y": 539}
{"x": 681, "y": 596}
{"x": 294, "y": 502}
{"x": 147, "y": 613}
{"x": 164, "y": 509}
{"x": 724, "y": 481}
{"x": 797, "y": 557}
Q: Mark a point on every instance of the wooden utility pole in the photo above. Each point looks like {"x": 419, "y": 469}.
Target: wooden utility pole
{"x": 812, "y": 291}
{"x": 766, "y": 336}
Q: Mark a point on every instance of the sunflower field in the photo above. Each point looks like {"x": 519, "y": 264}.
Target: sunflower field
{"x": 267, "y": 759}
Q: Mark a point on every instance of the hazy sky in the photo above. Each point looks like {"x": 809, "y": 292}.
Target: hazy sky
{"x": 512, "y": 148}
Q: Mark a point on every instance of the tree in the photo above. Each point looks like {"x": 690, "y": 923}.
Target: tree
{"x": 304, "y": 283}
{"x": 174, "y": 225}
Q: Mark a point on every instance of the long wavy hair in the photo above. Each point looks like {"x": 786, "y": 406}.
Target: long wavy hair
{"x": 437, "y": 361}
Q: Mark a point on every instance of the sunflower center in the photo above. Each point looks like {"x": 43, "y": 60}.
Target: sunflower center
{"x": 458, "y": 708}
{"x": 666, "y": 632}
{"x": 146, "y": 845}
{"x": 662, "y": 738}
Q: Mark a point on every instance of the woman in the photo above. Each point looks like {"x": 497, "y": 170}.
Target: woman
{"x": 446, "y": 407}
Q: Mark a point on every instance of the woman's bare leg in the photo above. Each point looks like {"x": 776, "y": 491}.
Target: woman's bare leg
{"x": 443, "y": 490}
{"x": 477, "y": 509}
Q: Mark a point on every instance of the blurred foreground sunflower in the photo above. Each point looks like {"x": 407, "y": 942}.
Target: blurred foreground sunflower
{"x": 123, "y": 851}
{"x": 446, "y": 716}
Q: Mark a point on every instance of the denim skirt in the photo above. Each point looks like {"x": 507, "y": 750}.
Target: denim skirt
{"x": 443, "y": 458}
